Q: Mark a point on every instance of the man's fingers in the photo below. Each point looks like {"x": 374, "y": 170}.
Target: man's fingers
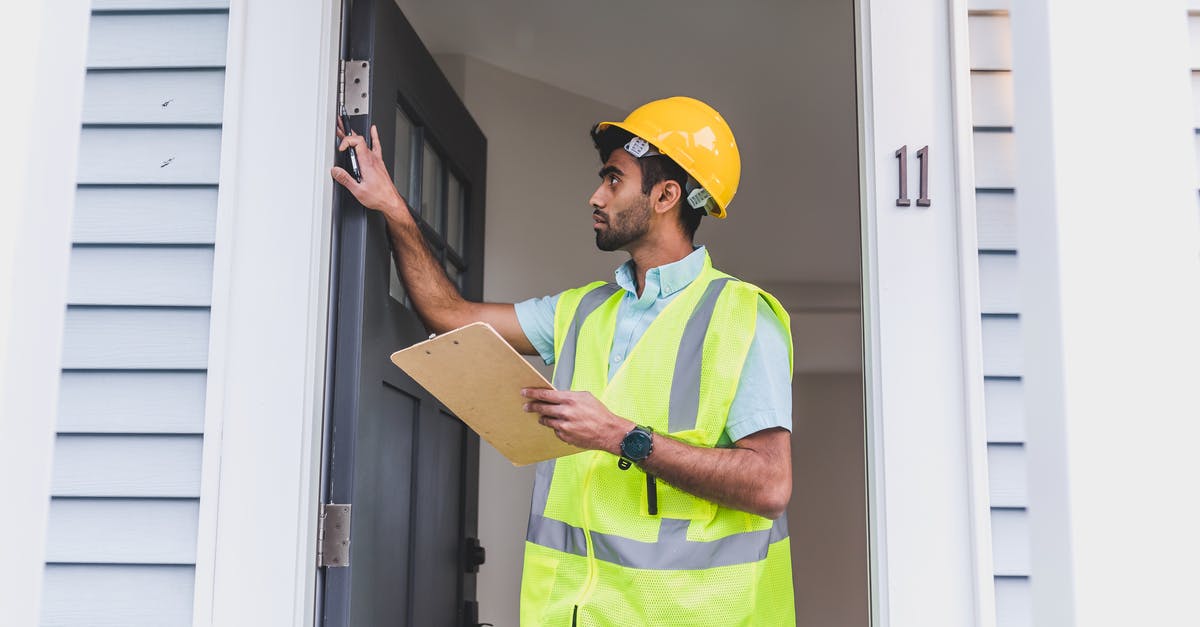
{"x": 548, "y": 410}
{"x": 375, "y": 146}
{"x": 343, "y": 177}
{"x": 352, "y": 140}
{"x": 549, "y": 396}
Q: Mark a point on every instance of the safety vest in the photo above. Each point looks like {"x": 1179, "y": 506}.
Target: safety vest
{"x": 594, "y": 554}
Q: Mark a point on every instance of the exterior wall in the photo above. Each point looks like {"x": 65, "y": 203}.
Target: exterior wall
{"x": 990, "y": 43}
{"x": 122, "y": 530}
{"x": 1109, "y": 259}
{"x": 37, "y": 173}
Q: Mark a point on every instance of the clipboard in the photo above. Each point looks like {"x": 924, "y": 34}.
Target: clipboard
{"x": 478, "y": 376}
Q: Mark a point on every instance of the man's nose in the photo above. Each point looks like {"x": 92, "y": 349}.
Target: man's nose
{"x": 597, "y": 199}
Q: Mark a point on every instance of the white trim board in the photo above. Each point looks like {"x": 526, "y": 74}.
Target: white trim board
{"x": 923, "y": 506}
{"x": 260, "y": 479}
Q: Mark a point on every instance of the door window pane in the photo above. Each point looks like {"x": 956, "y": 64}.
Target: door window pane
{"x": 454, "y": 274}
{"x": 454, "y": 213}
{"x": 395, "y": 286}
{"x": 402, "y": 171}
{"x": 432, "y": 202}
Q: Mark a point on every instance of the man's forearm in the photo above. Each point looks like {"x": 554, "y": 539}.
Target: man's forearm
{"x": 434, "y": 297}
{"x": 754, "y": 476}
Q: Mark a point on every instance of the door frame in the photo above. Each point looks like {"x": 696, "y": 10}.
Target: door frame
{"x": 915, "y": 566}
{"x": 264, "y": 403}
{"x": 247, "y": 413}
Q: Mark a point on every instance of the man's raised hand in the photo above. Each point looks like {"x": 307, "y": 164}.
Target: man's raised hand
{"x": 376, "y": 191}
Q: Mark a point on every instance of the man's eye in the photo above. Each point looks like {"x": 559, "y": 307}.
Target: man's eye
{"x": 612, "y": 180}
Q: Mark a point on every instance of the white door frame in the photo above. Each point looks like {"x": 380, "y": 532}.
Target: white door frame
{"x": 255, "y": 562}
{"x": 928, "y": 525}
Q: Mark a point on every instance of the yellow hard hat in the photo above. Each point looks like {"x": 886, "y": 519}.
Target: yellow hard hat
{"x": 694, "y": 136}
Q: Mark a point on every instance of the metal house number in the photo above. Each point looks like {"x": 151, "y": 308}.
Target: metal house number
{"x": 923, "y": 157}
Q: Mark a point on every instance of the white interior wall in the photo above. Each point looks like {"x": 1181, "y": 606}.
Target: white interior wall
{"x": 541, "y": 170}
{"x": 827, "y": 517}
{"x": 538, "y": 240}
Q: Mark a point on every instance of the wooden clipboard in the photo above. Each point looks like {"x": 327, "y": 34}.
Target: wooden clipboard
{"x": 478, "y": 376}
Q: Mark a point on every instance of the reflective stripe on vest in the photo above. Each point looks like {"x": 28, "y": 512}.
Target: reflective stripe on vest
{"x": 547, "y": 531}
{"x": 564, "y": 369}
{"x": 672, "y": 550}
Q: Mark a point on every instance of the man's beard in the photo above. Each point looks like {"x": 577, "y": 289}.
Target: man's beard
{"x": 625, "y": 227}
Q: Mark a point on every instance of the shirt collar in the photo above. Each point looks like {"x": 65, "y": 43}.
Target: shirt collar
{"x": 664, "y": 280}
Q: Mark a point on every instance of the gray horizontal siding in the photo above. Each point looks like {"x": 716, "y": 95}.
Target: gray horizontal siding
{"x": 1002, "y": 350}
{"x": 145, "y": 215}
{"x": 990, "y": 41}
{"x": 1014, "y": 602}
{"x": 145, "y": 466}
{"x": 1010, "y": 542}
{"x": 153, "y": 275}
{"x": 1005, "y": 410}
{"x": 135, "y": 338}
{"x": 124, "y": 512}
{"x": 999, "y": 289}
{"x": 978, "y": 6}
{"x": 992, "y": 99}
{"x": 157, "y": 40}
{"x": 1194, "y": 32}
{"x": 157, "y": 5}
{"x": 123, "y": 531}
{"x": 117, "y": 595}
{"x": 1008, "y": 484}
{"x": 149, "y": 155}
{"x": 996, "y": 217}
{"x": 995, "y": 159}
{"x": 131, "y": 402}
{"x": 994, "y": 138}
{"x": 154, "y": 97}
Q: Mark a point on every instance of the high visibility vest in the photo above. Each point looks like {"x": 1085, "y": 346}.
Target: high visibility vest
{"x": 594, "y": 555}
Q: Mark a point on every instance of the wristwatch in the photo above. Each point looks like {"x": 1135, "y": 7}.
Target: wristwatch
{"x": 636, "y": 446}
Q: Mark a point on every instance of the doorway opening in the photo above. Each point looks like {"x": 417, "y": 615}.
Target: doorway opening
{"x": 535, "y": 75}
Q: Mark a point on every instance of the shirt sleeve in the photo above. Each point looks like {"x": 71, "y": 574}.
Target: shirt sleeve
{"x": 536, "y": 317}
{"x": 764, "y": 396}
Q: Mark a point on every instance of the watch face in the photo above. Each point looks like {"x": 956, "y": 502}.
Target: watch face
{"x": 636, "y": 445}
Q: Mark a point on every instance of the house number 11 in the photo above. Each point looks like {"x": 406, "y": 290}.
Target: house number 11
{"x": 923, "y": 156}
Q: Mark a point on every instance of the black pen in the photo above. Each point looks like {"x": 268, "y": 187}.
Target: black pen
{"x": 354, "y": 171}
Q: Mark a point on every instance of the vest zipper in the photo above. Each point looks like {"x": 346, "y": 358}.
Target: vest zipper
{"x": 590, "y": 583}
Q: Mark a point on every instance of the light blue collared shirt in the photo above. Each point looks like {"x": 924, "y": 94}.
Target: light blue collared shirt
{"x": 764, "y": 395}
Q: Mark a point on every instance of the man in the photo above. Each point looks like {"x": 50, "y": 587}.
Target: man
{"x": 675, "y": 380}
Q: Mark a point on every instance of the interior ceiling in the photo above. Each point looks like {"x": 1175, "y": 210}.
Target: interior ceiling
{"x": 781, "y": 72}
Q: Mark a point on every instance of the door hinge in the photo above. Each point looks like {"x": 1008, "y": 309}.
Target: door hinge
{"x": 333, "y": 535}
{"x": 354, "y": 86}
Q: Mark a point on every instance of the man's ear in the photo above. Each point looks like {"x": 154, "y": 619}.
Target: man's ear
{"x": 668, "y": 194}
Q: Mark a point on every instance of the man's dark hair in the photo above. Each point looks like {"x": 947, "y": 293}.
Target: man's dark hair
{"x": 655, "y": 170}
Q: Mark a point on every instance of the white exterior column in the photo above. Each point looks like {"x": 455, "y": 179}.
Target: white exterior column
{"x": 45, "y": 45}
{"x": 1110, "y": 272}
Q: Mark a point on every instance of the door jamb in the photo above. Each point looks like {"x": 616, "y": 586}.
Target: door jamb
{"x": 975, "y": 447}
{"x": 263, "y": 407}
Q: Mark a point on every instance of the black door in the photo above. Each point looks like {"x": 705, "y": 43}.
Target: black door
{"x": 407, "y": 466}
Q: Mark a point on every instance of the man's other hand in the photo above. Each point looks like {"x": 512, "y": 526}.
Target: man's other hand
{"x": 376, "y": 191}
{"x": 578, "y": 418}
